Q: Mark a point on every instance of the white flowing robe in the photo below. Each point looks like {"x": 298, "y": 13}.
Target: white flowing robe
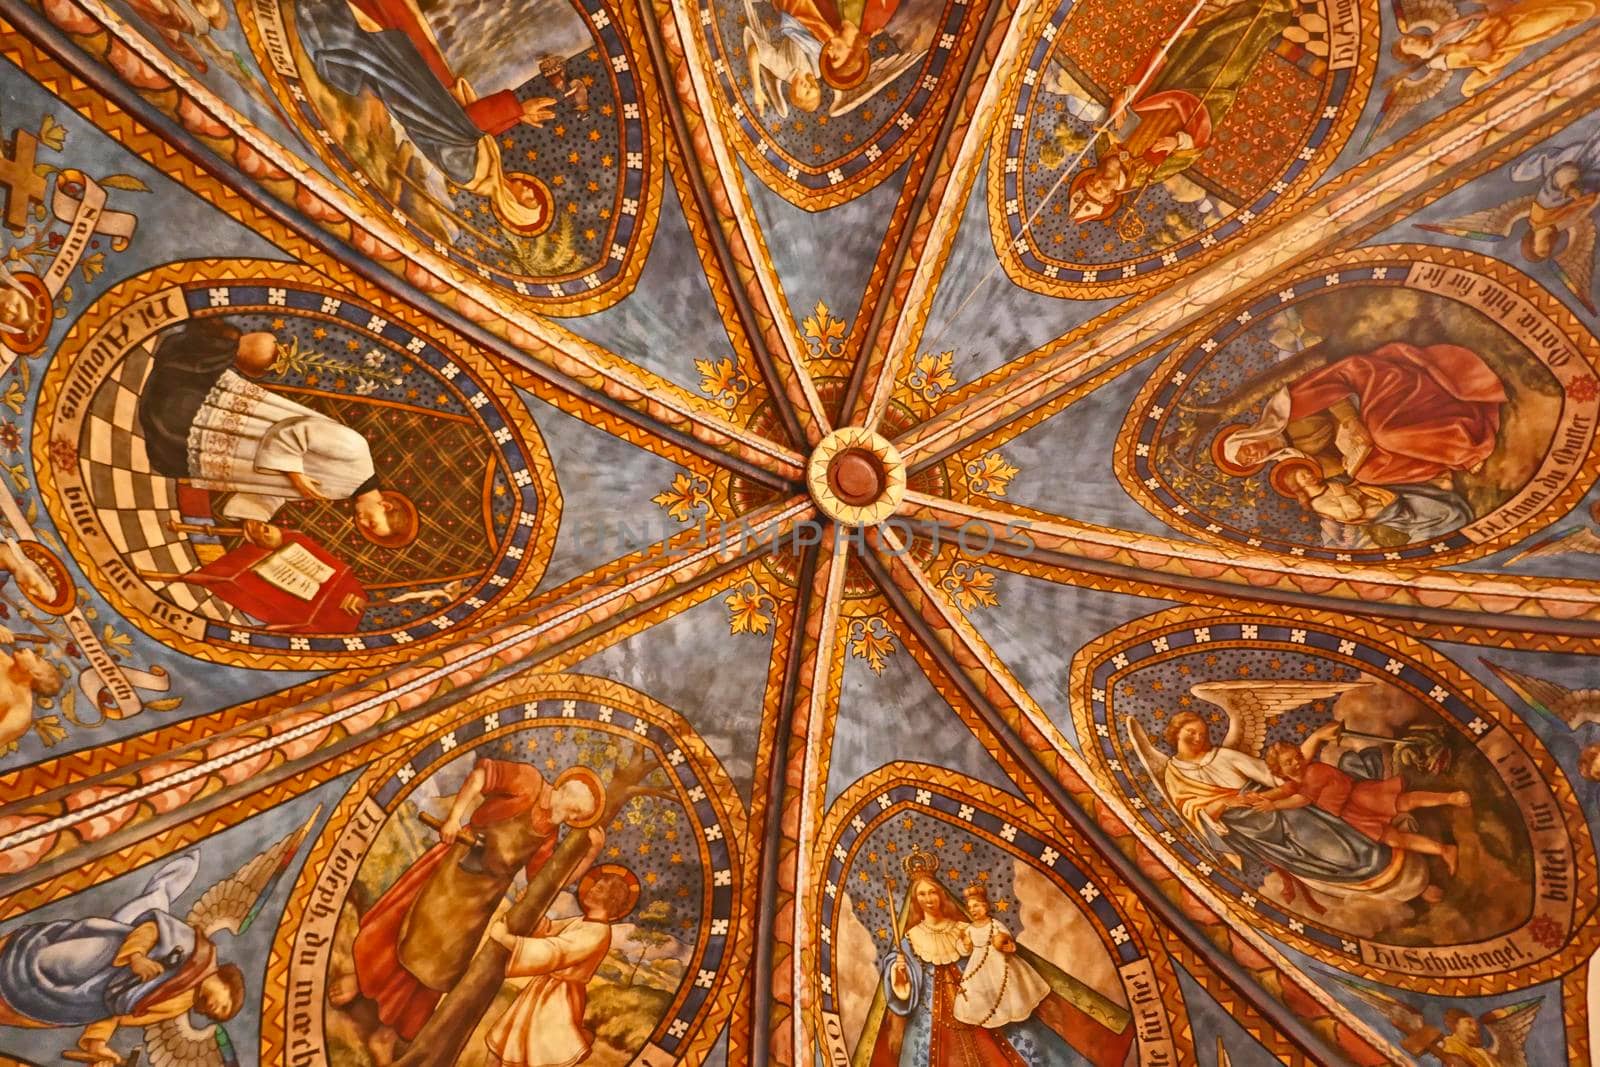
{"x": 544, "y": 1025}
{"x": 1193, "y": 784}
{"x": 997, "y": 988}
{"x": 1318, "y": 849}
{"x": 247, "y": 440}
{"x": 793, "y": 55}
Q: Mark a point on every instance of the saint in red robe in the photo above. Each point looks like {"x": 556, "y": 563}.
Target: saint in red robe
{"x": 1369, "y": 804}
{"x": 416, "y": 942}
{"x": 1429, "y": 411}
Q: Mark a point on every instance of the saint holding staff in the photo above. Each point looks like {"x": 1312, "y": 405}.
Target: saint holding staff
{"x": 960, "y": 992}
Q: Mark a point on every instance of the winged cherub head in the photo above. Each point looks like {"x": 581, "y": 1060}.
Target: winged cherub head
{"x": 221, "y": 994}
{"x": 1465, "y": 1027}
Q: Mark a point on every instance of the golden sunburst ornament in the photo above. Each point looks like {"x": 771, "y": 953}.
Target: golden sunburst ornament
{"x": 856, "y": 477}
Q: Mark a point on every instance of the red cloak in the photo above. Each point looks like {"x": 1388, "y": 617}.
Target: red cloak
{"x": 1429, "y": 411}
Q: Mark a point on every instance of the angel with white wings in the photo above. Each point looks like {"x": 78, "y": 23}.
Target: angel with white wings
{"x": 784, "y": 64}
{"x": 1222, "y": 794}
{"x": 1497, "y": 1038}
{"x": 813, "y": 47}
{"x": 143, "y": 966}
{"x": 1560, "y": 213}
{"x": 1438, "y": 38}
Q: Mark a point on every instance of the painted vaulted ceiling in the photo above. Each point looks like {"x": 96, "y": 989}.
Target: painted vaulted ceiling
{"x": 851, "y": 532}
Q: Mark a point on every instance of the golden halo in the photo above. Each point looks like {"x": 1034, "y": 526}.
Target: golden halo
{"x": 1279, "y": 478}
{"x": 596, "y": 786}
{"x": 1224, "y": 464}
{"x": 612, "y": 870}
{"x": 32, "y": 339}
{"x": 523, "y": 182}
{"x": 404, "y": 522}
{"x": 66, "y": 593}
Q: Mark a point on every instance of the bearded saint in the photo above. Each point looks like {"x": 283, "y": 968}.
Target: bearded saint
{"x": 418, "y": 939}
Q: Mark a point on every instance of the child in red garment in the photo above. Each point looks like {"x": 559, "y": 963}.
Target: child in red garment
{"x": 1369, "y": 804}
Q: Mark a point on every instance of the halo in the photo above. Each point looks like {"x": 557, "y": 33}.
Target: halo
{"x": 596, "y": 786}
{"x": 66, "y": 593}
{"x": 32, "y": 339}
{"x": 402, "y": 533}
{"x": 1279, "y": 476}
{"x": 1079, "y": 180}
{"x": 1223, "y": 463}
{"x": 522, "y": 181}
{"x": 612, "y": 870}
{"x": 831, "y": 76}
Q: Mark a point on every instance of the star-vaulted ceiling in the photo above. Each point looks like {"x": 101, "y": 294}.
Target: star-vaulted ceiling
{"x": 917, "y": 532}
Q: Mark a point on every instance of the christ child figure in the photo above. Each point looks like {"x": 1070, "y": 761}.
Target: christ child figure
{"x": 544, "y": 1025}
{"x": 1370, "y": 805}
{"x": 997, "y": 988}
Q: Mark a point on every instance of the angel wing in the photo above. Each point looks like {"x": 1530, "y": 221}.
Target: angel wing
{"x": 1509, "y": 1027}
{"x": 175, "y": 1043}
{"x": 883, "y": 73}
{"x": 1151, "y": 758}
{"x": 1413, "y": 16}
{"x": 1491, "y": 224}
{"x": 1408, "y": 92}
{"x": 1422, "y": 81}
{"x": 1250, "y": 704}
{"x": 1582, "y": 539}
{"x": 231, "y": 903}
{"x": 1408, "y": 1020}
{"x": 1575, "y": 263}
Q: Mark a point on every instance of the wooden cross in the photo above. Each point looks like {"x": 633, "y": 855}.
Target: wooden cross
{"x": 23, "y": 186}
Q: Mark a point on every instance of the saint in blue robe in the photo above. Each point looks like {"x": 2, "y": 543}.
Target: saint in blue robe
{"x": 63, "y": 973}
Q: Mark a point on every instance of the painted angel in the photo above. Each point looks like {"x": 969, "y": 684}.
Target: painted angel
{"x": 143, "y": 966}
{"x": 1220, "y": 793}
{"x": 1497, "y": 1038}
{"x": 1571, "y": 707}
{"x": 882, "y": 73}
{"x": 1560, "y": 214}
{"x": 1438, "y": 38}
{"x": 784, "y": 64}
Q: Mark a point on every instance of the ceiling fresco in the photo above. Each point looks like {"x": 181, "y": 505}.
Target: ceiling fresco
{"x": 878, "y": 533}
